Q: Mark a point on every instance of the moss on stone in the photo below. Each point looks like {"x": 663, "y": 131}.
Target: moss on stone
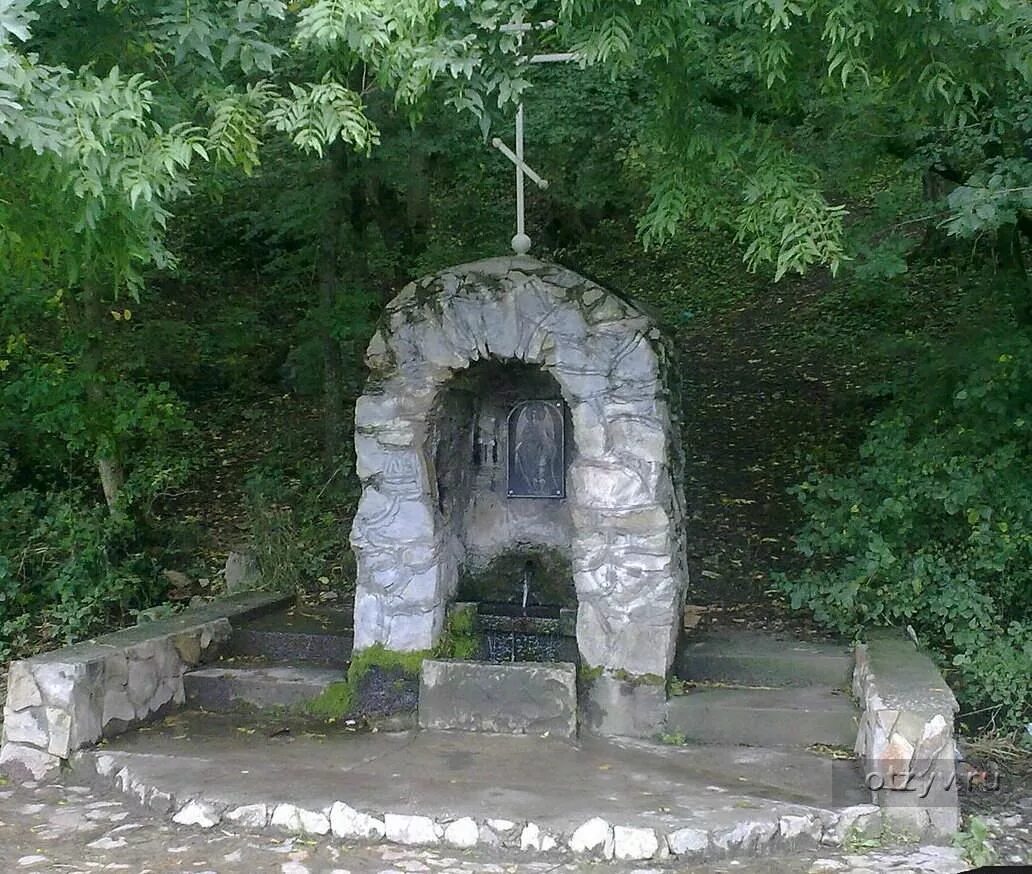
{"x": 638, "y": 679}
{"x": 378, "y": 656}
{"x": 340, "y": 699}
{"x": 460, "y": 639}
{"x": 334, "y": 702}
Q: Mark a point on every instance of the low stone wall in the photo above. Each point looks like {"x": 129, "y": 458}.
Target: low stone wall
{"x": 64, "y": 700}
{"x": 905, "y": 738}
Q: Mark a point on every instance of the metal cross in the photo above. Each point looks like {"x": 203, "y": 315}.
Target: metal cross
{"x": 521, "y": 242}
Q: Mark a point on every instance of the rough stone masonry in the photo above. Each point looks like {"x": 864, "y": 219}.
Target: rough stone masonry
{"x": 623, "y": 492}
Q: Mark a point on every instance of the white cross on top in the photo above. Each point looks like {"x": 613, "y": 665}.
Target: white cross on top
{"x": 521, "y": 242}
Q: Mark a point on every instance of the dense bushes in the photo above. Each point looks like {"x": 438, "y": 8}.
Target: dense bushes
{"x": 933, "y": 526}
{"x": 68, "y": 568}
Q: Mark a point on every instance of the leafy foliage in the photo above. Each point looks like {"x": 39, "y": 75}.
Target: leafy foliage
{"x": 933, "y": 526}
{"x": 67, "y": 569}
{"x": 295, "y": 529}
{"x": 759, "y": 110}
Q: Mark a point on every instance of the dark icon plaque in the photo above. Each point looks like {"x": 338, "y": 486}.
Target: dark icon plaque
{"x": 536, "y": 465}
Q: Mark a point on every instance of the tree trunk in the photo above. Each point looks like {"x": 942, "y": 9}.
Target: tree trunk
{"x": 112, "y": 479}
{"x": 329, "y": 289}
{"x": 417, "y": 199}
{"x": 108, "y": 458}
{"x": 1011, "y": 260}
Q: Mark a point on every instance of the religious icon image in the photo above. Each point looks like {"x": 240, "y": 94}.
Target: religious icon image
{"x": 536, "y": 457}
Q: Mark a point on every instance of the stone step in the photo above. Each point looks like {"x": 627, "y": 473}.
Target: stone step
{"x": 756, "y": 659}
{"x": 797, "y": 717}
{"x": 317, "y": 635}
{"x": 221, "y": 688}
{"x": 331, "y": 650}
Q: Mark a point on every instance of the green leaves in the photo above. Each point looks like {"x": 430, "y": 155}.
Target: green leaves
{"x": 933, "y": 526}
{"x": 362, "y": 27}
{"x": 608, "y": 42}
{"x": 232, "y": 30}
{"x": 15, "y": 19}
{"x": 992, "y": 198}
{"x": 786, "y": 222}
{"x": 317, "y": 115}
{"x": 237, "y": 122}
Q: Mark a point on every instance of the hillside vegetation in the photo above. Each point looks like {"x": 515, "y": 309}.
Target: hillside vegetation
{"x": 204, "y": 209}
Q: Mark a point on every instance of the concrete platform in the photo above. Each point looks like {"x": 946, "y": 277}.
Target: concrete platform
{"x": 726, "y": 800}
{"x": 308, "y": 634}
{"x": 787, "y": 717}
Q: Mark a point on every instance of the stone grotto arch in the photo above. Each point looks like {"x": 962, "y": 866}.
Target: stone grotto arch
{"x": 623, "y": 497}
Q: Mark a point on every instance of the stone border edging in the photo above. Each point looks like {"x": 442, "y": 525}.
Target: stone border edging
{"x": 60, "y": 701}
{"x": 596, "y": 837}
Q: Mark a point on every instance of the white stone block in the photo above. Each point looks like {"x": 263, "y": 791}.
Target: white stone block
{"x": 350, "y": 824}
{"x": 634, "y": 843}
{"x": 143, "y": 681}
{"x": 105, "y": 765}
{"x": 641, "y": 438}
{"x": 411, "y": 632}
{"x": 411, "y": 830}
{"x": 750, "y": 836}
{"x": 117, "y": 705}
{"x": 26, "y": 727}
{"x": 463, "y": 833}
{"x": 56, "y": 682}
{"x": 533, "y": 838}
{"x": 594, "y": 836}
{"x": 688, "y": 841}
{"x": 801, "y": 826}
{"x": 199, "y": 813}
{"x": 59, "y": 725}
{"x": 858, "y": 818}
{"x": 38, "y": 763}
{"x": 249, "y": 816}
{"x": 299, "y": 820}
{"x": 22, "y": 691}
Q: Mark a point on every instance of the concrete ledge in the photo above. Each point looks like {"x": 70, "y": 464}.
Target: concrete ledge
{"x": 278, "y": 685}
{"x": 63, "y": 700}
{"x": 517, "y": 698}
{"x": 905, "y": 738}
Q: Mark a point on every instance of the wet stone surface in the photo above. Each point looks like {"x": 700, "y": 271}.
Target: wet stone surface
{"x": 76, "y": 828}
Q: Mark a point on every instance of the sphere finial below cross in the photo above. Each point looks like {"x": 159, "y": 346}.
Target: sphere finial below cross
{"x": 521, "y": 244}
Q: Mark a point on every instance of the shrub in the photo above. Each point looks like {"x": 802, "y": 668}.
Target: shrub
{"x": 933, "y": 526}
{"x": 67, "y": 569}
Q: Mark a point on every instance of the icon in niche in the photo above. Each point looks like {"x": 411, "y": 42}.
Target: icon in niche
{"x": 537, "y": 449}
